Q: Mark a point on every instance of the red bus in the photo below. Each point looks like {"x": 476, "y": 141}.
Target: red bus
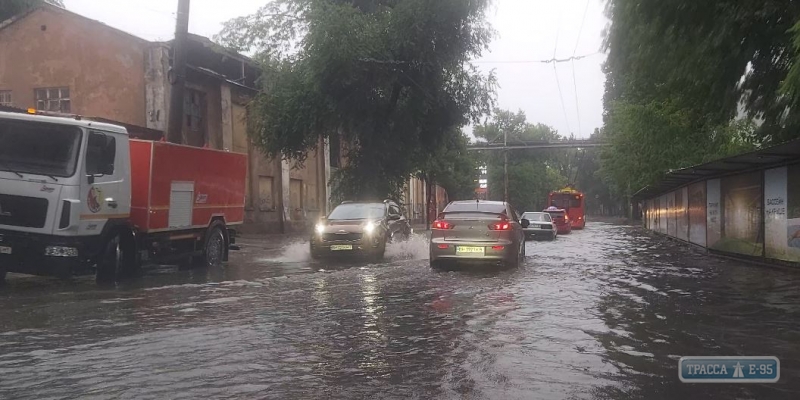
{"x": 572, "y": 201}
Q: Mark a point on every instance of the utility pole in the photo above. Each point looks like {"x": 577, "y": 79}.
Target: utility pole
{"x": 505, "y": 162}
{"x": 177, "y": 74}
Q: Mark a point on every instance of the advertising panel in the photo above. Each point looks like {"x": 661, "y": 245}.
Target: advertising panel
{"x": 793, "y": 213}
{"x": 672, "y": 229}
{"x": 741, "y": 215}
{"x": 697, "y": 213}
{"x": 681, "y": 214}
{"x": 713, "y": 213}
{"x": 782, "y": 213}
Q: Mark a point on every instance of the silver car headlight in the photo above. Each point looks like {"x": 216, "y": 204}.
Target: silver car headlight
{"x": 369, "y": 228}
{"x": 320, "y": 228}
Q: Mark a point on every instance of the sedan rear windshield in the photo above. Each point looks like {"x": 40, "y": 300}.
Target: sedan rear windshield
{"x": 538, "y": 217}
{"x": 38, "y": 148}
{"x": 477, "y": 206}
{"x": 472, "y": 215}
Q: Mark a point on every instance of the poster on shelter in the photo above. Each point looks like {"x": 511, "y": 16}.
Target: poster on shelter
{"x": 741, "y": 215}
{"x": 681, "y": 215}
{"x": 713, "y": 209}
{"x": 697, "y": 213}
{"x": 670, "y": 211}
{"x": 793, "y": 213}
{"x": 775, "y": 208}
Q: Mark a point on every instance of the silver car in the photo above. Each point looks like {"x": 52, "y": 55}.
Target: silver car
{"x": 541, "y": 225}
{"x": 478, "y": 231}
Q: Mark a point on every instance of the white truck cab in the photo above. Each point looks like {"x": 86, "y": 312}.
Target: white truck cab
{"x": 63, "y": 183}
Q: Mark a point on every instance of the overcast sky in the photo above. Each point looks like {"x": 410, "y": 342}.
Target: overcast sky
{"x": 528, "y": 30}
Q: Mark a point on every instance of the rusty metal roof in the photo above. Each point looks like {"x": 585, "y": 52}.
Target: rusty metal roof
{"x": 784, "y": 153}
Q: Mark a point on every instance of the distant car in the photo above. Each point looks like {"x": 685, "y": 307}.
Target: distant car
{"x": 361, "y": 228}
{"x": 478, "y": 231}
{"x": 560, "y": 219}
{"x": 541, "y": 225}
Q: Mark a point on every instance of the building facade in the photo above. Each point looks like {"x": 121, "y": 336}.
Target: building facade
{"x": 54, "y": 60}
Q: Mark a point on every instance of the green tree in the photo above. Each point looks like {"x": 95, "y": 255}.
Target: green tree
{"x": 10, "y": 8}
{"x": 532, "y": 174}
{"x": 390, "y": 76}
{"x": 685, "y": 80}
{"x": 452, "y": 167}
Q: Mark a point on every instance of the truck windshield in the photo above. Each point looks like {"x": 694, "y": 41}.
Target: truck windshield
{"x": 38, "y": 148}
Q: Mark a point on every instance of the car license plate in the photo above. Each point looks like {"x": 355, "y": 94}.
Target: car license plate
{"x": 5, "y": 250}
{"x": 469, "y": 250}
{"x": 337, "y": 247}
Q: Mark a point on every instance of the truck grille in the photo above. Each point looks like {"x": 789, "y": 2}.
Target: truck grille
{"x": 335, "y": 237}
{"x": 28, "y": 212}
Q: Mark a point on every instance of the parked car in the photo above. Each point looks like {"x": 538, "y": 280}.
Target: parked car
{"x": 541, "y": 225}
{"x": 478, "y": 231}
{"x": 359, "y": 228}
{"x": 560, "y": 219}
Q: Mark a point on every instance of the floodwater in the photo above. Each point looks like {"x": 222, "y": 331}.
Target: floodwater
{"x": 602, "y": 313}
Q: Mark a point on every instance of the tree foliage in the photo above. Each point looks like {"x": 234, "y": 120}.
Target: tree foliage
{"x": 686, "y": 78}
{"x": 452, "y": 167}
{"x": 390, "y": 76}
{"x": 10, "y": 8}
{"x": 532, "y": 174}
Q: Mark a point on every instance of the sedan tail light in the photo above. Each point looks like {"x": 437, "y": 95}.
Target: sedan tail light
{"x": 442, "y": 225}
{"x": 500, "y": 226}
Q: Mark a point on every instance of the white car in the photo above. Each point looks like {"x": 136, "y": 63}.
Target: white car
{"x": 541, "y": 225}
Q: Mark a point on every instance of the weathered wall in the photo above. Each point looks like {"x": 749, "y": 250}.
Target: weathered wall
{"x": 102, "y": 67}
{"x": 754, "y": 214}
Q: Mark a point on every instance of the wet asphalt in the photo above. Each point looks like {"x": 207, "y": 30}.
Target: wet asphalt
{"x": 602, "y": 313}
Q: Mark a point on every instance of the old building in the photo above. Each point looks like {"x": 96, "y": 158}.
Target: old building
{"x": 55, "y": 60}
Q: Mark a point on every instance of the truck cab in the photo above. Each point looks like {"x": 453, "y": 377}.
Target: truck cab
{"x": 64, "y": 182}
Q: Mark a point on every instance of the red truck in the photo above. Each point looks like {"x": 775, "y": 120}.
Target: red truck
{"x": 79, "y": 196}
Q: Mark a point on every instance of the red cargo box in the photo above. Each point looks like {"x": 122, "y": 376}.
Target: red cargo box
{"x": 176, "y": 187}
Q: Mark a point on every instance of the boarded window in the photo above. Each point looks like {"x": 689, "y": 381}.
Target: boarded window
{"x": 296, "y": 194}
{"x": 5, "y": 98}
{"x": 194, "y": 117}
{"x": 265, "y": 198}
{"x": 53, "y": 99}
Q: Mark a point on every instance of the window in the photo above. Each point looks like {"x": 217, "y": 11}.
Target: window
{"x": 5, "y": 98}
{"x": 101, "y": 150}
{"x": 52, "y": 99}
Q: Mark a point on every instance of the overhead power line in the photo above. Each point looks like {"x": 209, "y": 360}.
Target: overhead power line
{"x": 548, "y": 61}
{"x": 574, "y": 80}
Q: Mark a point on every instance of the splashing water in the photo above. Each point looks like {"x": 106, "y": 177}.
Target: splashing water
{"x": 415, "y": 248}
{"x": 297, "y": 251}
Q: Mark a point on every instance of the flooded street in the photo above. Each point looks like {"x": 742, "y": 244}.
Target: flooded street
{"x": 602, "y": 313}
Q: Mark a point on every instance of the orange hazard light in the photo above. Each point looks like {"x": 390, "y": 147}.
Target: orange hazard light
{"x": 31, "y": 111}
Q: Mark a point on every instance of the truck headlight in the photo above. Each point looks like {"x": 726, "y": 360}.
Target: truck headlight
{"x": 60, "y": 251}
{"x": 369, "y": 227}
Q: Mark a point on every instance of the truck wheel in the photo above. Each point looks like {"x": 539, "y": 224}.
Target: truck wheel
{"x": 214, "y": 247}
{"x": 117, "y": 261}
